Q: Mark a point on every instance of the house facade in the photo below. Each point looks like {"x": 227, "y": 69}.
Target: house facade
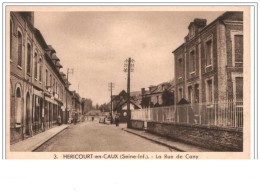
{"x": 37, "y": 87}
{"x": 209, "y": 70}
{"x": 209, "y": 64}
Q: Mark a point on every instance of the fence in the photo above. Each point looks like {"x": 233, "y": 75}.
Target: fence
{"x": 224, "y": 113}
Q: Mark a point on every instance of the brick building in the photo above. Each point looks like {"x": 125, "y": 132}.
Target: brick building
{"x": 37, "y": 86}
{"x": 209, "y": 64}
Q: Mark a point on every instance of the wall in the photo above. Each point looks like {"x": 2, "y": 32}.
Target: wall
{"x": 213, "y": 138}
{"x": 137, "y": 124}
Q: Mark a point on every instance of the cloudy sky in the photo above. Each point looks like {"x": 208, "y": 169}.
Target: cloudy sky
{"x": 96, "y": 44}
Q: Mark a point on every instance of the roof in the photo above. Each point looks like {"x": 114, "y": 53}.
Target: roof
{"x": 160, "y": 88}
{"x": 221, "y": 17}
{"x": 135, "y": 93}
{"x": 54, "y": 57}
{"x": 50, "y": 48}
{"x": 124, "y": 102}
{"x": 39, "y": 36}
{"x": 58, "y": 65}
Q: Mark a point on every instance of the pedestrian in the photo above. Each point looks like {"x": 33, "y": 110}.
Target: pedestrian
{"x": 59, "y": 120}
{"x": 75, "y": 119}
{"x": 117, "y": 120}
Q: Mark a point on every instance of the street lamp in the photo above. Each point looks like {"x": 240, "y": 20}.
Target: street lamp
{"x": 128, "y": 68}
{"x": 69, "y": 70}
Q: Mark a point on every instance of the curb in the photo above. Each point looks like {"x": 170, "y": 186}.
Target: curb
{"x": 156, "y": 141}
{"x": 40, "y": 144}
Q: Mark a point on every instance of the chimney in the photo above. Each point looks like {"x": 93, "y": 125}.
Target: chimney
{"x": 196, "y": 26}
{"x": 143, "y": 91}
{"x": 29, "y": 16}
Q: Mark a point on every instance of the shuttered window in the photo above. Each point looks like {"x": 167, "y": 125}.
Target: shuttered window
{"x": 29, "y": 59}
{"x": 238, "y": 49}
{"x": 20, "y": 46}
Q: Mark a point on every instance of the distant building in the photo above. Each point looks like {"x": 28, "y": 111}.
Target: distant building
{"x": 119, "y": 103}
{"x": 156, "y": 96}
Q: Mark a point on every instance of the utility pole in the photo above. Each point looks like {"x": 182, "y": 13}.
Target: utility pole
{"x": 111, "y": 86}
{"x": 128, "y": 67}
{"x": 69, "y": 70}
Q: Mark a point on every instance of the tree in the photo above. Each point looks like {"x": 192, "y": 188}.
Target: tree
{"x": 87, "y": 105}
{"x": 145, "y": 103}
{"x": 168, "y": 98}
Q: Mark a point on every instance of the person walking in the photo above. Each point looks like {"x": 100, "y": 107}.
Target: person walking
{"x": 117, "y": 120}
{"x": 59, "y": 120}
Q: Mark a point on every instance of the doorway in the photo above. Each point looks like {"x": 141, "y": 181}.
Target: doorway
{"x": 27, "y": 118}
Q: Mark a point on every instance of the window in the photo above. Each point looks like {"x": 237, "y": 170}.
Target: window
{"x": 47, "y": 78}
{"x": 179, "y": 70}
{"x": 20, "y": 47}
{"x": 35, "y": 66}
{"x": 18, "y": 104}
{"x": 197, "y": 94}
{"x": 209, "y": 91}
{"x": 190, "y": 94}
{"x": 238, "y": 49}
{"x": 11, "y": 38}
{"x": 208, "y": 51}
{"x": 28, "y": 59}
{"x": 180, "y": 94}
{"x": 239, "y": 88}
{"x": 54, "y": 87}
{"x": 192, "y": 61}
{"x": 40, "y": 73}
{"x": 51, "y": 81}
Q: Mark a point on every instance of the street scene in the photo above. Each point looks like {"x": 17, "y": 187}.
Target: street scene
{"x": 93, "y": 137}
{"x": 126, "y": 81}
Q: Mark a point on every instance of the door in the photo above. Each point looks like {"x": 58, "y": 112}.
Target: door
{"x": 27, "y": 118}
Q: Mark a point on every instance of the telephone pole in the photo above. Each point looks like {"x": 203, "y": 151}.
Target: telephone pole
{"x": 69, "y": 70}
{"x": 128, "y": 67}
{"x": 111, "y": 86}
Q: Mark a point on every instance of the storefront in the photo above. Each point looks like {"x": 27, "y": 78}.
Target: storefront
{"x": 37, "y": 109}
{"x": 51, "y": 112}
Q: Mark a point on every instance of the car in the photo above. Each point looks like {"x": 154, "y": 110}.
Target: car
{"x": 105, "y": 120}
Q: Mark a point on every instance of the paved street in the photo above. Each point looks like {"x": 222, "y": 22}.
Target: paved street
{"x": 94, "y": 137}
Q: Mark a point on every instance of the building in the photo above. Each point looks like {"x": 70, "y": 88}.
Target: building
{"x": 76, "y": 105}
{"x": 37, "y": 87}
{"x": 119, "y": 103}
{"x": 156, "y": 96}
{"x": 209, "y": 64}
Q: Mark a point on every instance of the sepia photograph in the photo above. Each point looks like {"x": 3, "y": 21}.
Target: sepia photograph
{"x": 118, "y": 82}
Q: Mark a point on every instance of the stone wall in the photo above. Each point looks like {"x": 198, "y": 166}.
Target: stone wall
{"x": 213, "y": 138}
{"x": 137, "y": 124}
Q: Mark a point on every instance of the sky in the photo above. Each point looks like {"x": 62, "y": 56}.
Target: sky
{"x": 96, "y": 44}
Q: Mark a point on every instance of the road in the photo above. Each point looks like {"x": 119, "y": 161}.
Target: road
{"x": 95, "y": 137}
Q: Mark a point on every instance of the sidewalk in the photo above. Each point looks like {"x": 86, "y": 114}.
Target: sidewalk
{"x": 183, "y": 147}
{"x": 36, "y": 141}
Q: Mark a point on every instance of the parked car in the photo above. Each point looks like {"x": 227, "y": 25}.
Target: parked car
{"x": 104, "y": 120}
